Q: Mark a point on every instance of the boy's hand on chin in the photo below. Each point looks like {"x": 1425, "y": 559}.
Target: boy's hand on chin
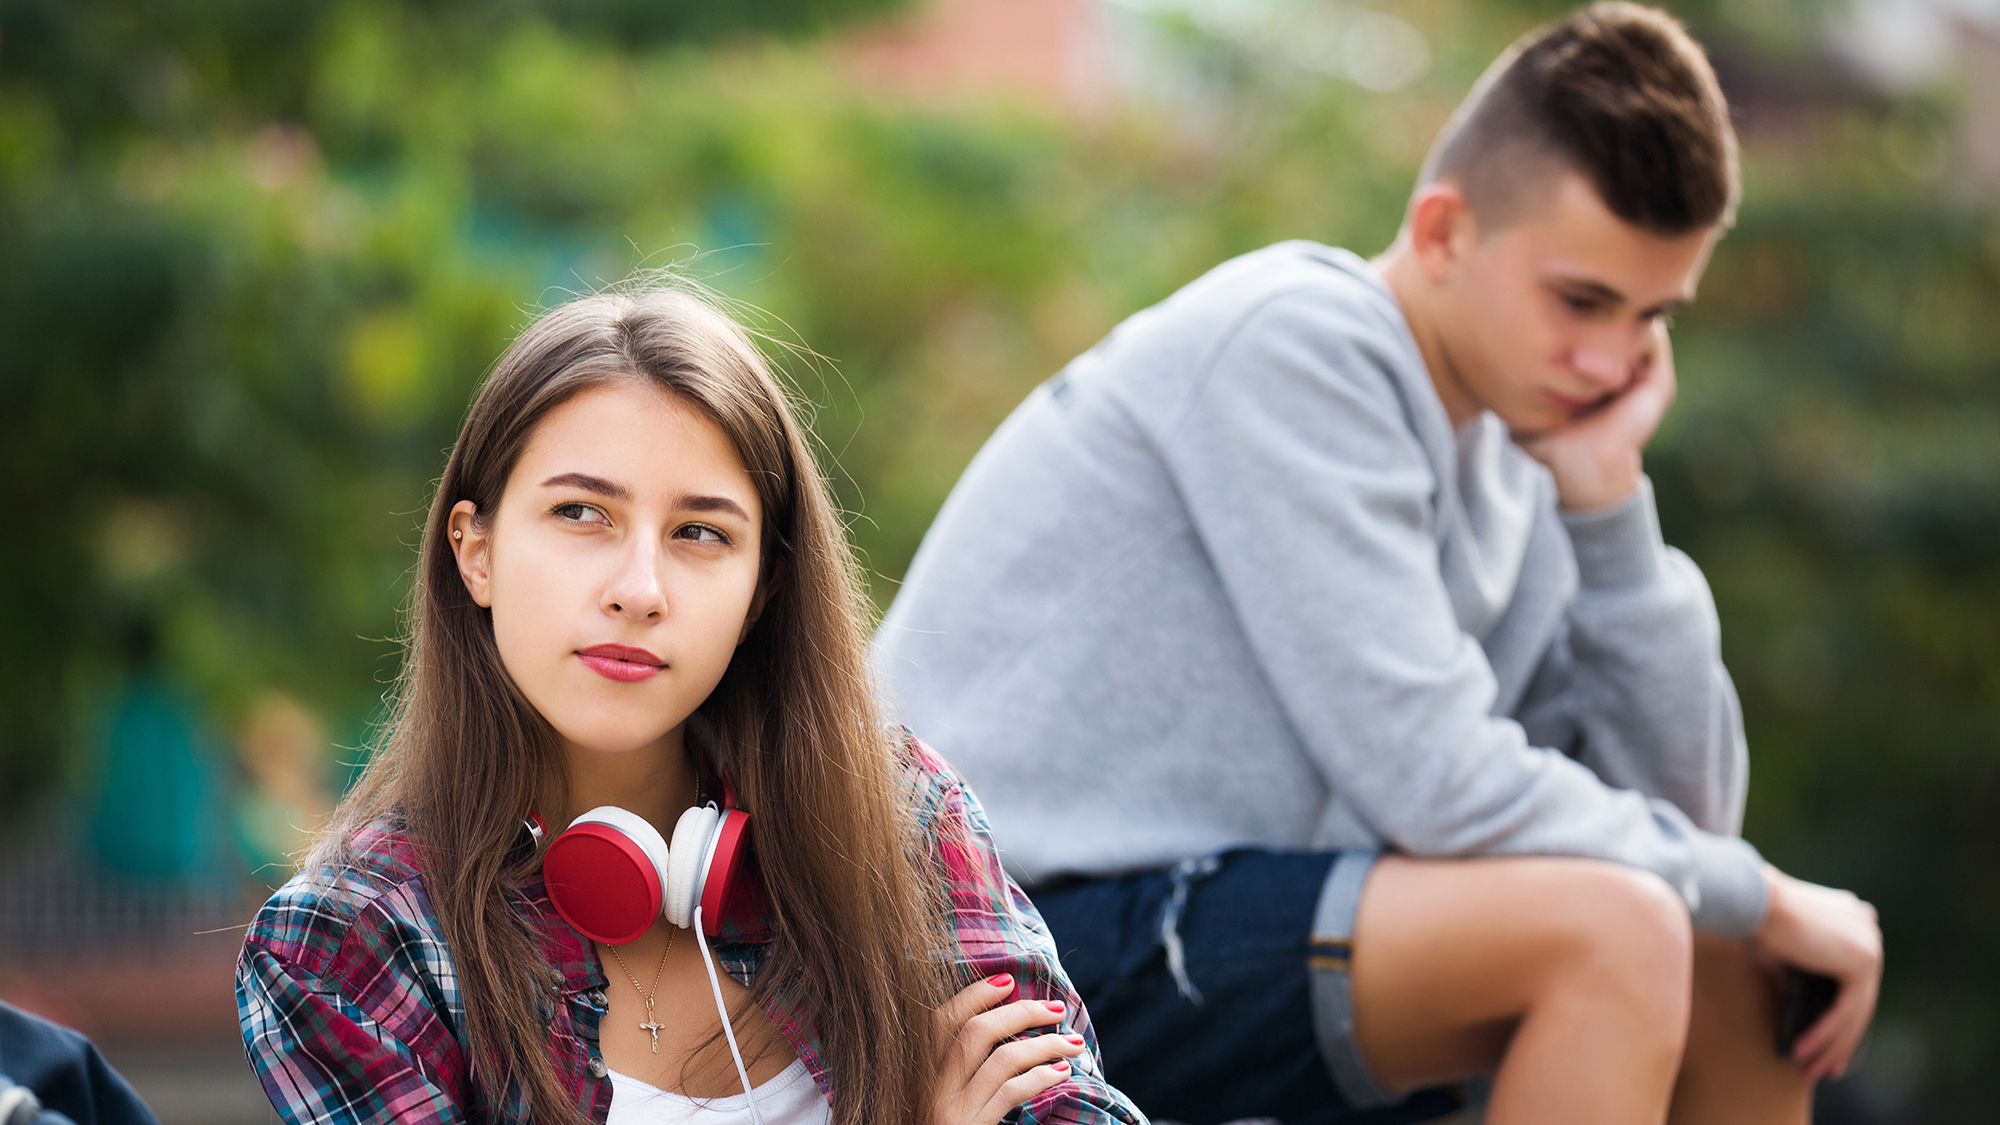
{"x": 1595, "y": 458}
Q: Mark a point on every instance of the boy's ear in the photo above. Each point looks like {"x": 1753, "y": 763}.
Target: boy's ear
{"x": 1441, "y": 227}
{"x": 472, "y": 546}
{"x": 765, "y": 589}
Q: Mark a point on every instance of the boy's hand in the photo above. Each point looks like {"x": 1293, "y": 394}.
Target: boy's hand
{"x": 1595, "y": 458}
{"x": 986, "y": 1071}
{"x": 1835, "y": 934}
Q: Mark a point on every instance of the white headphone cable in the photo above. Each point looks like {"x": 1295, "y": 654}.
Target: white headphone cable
{"x": 722, "y": 1010}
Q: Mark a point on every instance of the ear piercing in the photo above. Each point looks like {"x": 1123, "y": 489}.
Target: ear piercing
{"x": 458, "y": 535}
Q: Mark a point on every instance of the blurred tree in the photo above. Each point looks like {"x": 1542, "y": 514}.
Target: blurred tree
{"x": 253, "y": 256}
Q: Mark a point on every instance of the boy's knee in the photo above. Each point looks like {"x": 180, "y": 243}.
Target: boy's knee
{"x": 1621, "y": 935}
{"x": 1631, "y": 937}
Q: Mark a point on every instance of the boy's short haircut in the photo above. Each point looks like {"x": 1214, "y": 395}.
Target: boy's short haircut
{"x": 1618, "y": 92}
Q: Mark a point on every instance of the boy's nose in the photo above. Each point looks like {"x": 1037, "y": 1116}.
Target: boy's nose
{"x": 1605, "y": 360}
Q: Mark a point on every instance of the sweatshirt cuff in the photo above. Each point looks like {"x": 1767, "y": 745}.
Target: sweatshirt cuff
{"x": 1619, "y": 546}
{"x": 1728, "y": 893}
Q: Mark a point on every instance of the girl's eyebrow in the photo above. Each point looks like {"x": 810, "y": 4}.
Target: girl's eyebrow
{"x": 588, "y": 483}
{"x": 715, "y": 504}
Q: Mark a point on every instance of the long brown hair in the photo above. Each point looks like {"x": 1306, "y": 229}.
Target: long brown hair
{"x": 793, "y": 722}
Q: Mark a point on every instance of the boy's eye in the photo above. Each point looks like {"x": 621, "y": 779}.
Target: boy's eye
{"x": 1580, "y": 304}
{"x": 578, "y": 513}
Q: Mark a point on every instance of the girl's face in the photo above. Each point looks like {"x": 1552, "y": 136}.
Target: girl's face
{"x": 622, "y": 565}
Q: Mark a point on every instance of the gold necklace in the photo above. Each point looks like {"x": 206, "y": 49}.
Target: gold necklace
{"x": 652, "y": 1024}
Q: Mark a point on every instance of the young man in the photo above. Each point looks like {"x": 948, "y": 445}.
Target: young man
{"x": 1313, "y": 645}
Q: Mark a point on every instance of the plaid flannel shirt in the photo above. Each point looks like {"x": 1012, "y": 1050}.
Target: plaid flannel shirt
{"x": 351, "y": 1011}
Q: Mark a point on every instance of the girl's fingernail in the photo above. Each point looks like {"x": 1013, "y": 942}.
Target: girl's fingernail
{"x": 1059, "y": 1064}
{"x": 1076, "y": 1039}
{"x": 1054, "y": 1005}
{"x": 1004, "y": 980}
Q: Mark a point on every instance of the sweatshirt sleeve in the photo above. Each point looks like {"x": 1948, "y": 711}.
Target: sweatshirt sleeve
{"x": 1635, "y": 687}
{"x": 1299, "y": 463}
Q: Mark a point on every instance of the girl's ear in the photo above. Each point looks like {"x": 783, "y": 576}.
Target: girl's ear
{"x": 469, "y": 542}
{"x": 765, "y": 589}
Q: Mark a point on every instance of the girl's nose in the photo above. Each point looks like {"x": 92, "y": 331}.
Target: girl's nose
{"x": 636, "y": 592}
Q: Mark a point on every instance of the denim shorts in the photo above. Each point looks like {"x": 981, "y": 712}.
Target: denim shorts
{"x": 1219, "y": 988}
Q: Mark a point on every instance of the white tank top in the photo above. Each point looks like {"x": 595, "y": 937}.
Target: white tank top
{"x": 790, "y": 1098}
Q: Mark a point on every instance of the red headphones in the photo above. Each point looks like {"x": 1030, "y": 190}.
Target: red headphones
{"x": 610, "y": 874}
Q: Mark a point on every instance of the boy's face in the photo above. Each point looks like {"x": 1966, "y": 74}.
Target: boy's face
{"x": 1550, "y": 315}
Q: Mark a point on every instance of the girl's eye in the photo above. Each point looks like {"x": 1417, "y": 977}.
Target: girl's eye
{"x": 701, "y": 533}
{"x": 578, "y": 513}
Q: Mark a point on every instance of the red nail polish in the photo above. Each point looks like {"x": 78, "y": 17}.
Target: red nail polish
{"x": 1076, "y": 1040}
{"x": 1054, "y": 1005}
{"x": 1059, "y": 1064}
{"x": 1003, "y": 980}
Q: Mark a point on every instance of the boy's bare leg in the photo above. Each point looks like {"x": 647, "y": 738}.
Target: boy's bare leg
{"x": 1732, "y": 1072}
{"x": 1569, "y": 980}
{"x": 1562, "y": 996}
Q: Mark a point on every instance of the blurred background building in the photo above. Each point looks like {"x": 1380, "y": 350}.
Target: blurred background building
{"x": 256, "y": 256}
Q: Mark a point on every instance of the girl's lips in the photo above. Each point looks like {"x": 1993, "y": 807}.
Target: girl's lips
{"x": 622, "y": 663}
{"x": 624, "y": 671}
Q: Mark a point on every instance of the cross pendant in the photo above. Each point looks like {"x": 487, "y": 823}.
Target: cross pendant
{"x": 652, "y": 1025}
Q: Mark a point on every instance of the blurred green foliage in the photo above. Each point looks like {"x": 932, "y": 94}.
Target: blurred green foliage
{"x": 255, "y": 256}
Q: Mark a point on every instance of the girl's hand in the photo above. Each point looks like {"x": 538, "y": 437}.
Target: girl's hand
{"x": 985, "y": 1071}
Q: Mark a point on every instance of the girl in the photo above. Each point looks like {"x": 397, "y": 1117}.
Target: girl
{"x": 634, "y": 591}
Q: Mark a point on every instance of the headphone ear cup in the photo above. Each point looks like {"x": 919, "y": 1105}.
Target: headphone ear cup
{"x": 686, "y": 860}
{"x": 605, "y": 874}
{"x": 730, "y": 884}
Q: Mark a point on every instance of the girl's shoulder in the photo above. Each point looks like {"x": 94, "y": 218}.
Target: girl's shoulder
{"x": 947, "y": 812}
{"x": 346, "y": 992}
{"x": 370, "y": 883}
{"x": 930, "y": 784}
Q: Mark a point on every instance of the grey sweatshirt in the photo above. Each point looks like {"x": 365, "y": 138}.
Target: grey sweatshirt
{"x": 1231, "y": 579}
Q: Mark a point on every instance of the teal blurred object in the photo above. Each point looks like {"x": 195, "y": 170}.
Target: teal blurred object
{"x": 157, "y": 804}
